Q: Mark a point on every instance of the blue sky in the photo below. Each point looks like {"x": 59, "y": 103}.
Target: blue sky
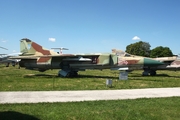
{"x": 86, "y": 26}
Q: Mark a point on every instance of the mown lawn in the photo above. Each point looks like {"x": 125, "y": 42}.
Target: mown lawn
{"x": 14, "y": 79}
{"x": 139, "y": 109}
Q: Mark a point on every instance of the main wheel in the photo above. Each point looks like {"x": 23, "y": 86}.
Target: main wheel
{"x": 73, "y": 74}
{"x": 152, "y": 72}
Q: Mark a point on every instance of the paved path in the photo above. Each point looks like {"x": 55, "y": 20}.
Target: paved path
{"x": 86, "y": 95}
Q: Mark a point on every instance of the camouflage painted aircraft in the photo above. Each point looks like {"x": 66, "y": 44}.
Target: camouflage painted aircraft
{"x": 167, "y": 63}
{"x": 170, "y": 63}
{"x": 35, "y": 57}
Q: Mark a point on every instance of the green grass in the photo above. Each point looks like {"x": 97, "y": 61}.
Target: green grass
{"x": 139, "y": 109}
{"x": 13, "y": 79}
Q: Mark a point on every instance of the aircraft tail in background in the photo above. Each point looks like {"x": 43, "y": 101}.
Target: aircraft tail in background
{"x": 28, "y": 47}
{"x": 3, "y": 48}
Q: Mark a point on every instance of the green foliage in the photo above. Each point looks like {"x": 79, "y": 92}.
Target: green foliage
{"x": 161, "y": 52}
{"x": 139, "y": 48}
{"x": 143, "y": 49}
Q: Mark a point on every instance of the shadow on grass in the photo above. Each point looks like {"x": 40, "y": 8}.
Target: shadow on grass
{"x": 158, "y": 75}
{"x": 12, "y": 115}
{"x": 95, "y": 76}
{"x": 55, "y": 76}
{"x": 139, "y": 77}
{"x": 39, "y": 75}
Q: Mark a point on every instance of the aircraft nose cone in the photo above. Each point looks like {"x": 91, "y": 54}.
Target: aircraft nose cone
{"x": 148, "y": 61}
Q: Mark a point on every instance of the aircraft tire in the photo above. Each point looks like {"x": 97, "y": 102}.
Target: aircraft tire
{"x": 73, "y": 74}
{"x": 152, "y": 72}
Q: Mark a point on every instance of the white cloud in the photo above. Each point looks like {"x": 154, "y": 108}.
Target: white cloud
{"x": 52, "y": 39}
{"x": 4, "y": 41}
{"x": 136, "y": 38}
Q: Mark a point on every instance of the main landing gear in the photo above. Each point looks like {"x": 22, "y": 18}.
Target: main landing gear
{"x": 149, "y": 72}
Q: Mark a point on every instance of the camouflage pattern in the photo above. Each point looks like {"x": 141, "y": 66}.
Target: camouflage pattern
{"x": 175, "y": 65}
{"x": 170, "y": 63}
{"x": 36, "y": 57}
{"x": 125, "y": 59}
{"x": 27, "y": 47}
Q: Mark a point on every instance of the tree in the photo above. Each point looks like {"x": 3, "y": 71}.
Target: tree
{"x": 139, "y": 48}
{"x": 161, "y": 52}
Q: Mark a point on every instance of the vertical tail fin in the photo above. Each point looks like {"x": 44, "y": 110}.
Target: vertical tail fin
{"x": 28, "y": 47}
{"x": 25, "y": 46}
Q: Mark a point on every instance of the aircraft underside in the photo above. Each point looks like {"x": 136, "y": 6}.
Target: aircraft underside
{"x": 74, "y": 73}
{"x": 149, "y": 72}
{"x": 71, "y": 70}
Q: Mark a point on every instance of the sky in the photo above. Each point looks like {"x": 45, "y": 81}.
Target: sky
{"x": 89, "y": 26}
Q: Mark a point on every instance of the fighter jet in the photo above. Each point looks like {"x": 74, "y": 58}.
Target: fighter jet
{"x": 36, "y": 57}
{"x": 4, "y": 59}
{"x": 168, "y": 63}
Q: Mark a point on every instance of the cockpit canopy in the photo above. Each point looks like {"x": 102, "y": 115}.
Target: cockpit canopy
{"x": 121, "y": 53}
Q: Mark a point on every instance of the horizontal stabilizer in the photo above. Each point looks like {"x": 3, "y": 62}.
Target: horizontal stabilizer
{"x": 23, "y": 57}
{"x": 61, "y": 48}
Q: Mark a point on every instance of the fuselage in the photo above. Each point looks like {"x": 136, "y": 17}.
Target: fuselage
{"x": 82, "y": 62}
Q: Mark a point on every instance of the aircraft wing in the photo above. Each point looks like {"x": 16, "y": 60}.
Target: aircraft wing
{"x": 71, "y": 55}
{"x": 2, "y": 54}
{"x": 23, "y": 57}
{"x": 7, "y": 60}
{"x": 64, "y": 57}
